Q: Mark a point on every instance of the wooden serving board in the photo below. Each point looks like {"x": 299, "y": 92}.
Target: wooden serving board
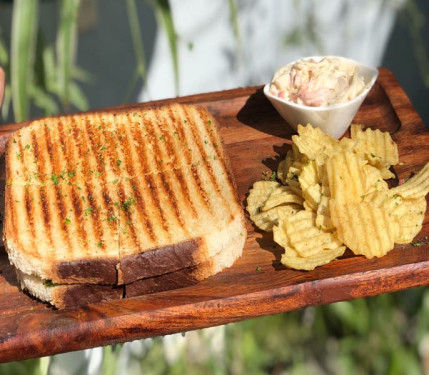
{"x": 256, "y": 139}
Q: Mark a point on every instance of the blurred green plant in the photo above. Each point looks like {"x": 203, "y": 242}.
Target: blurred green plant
{"x": 165, "y": 20}
{"x": 164, "y": 17}
{"x": 415, "y": 19}
{"x": 40, "y": 74}
{"x": 376, "y": 335}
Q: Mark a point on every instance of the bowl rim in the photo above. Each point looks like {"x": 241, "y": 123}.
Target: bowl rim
{"x": 365, "y": 92}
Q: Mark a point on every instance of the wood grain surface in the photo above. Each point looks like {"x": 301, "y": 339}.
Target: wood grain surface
{"x": 256, "y": 139}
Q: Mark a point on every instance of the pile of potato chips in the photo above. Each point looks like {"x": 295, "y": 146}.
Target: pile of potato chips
{"x": 333, "y": 195}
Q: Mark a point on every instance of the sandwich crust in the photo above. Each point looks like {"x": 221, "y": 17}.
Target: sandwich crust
{"x": 72, "y": 295}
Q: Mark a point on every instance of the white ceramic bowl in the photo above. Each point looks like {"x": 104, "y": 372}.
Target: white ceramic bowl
{"x": 333, "y": 120}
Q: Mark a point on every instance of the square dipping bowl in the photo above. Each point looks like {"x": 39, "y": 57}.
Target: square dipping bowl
{"x": 333, "y": 120}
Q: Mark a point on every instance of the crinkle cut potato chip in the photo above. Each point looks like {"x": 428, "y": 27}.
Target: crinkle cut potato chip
{"x": 259, "y": 194}
{"x": 268, "y": 201}
{"x": 282, "y": 195}
{"x": 268, "y": 219}
{"x": 377, "y": 146}
{"x": 346, "y": 176}
{"x": 416, "y": 187}
{"x": 333, "y": 194}
{"x": 292, "y": 259}
{"x": 311, "y": 141}
{"x": 410, "y": 214}
{"x": 364, "y": 228}
{"x": 304, "y": 236}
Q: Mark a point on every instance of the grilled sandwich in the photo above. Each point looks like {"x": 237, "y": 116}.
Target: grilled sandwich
{"x": 111, "y": 198}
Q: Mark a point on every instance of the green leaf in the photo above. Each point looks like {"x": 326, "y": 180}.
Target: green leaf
{"x": 77, "y": 97}
{"x": 165, "y": 17}
{"x": 66, "y": 47}
{"x": 23, "y": 38}
{"x": 49, "y": 64}
{"x": 4, "y": 55}
{"x": 140, "y": 71}
{"x": 82, "y": 75}
{"x": 7, "y": 98}
{"x": 43, "y": 100}
{"x": 234, "y": 20}
{"x": 136, "y": 38}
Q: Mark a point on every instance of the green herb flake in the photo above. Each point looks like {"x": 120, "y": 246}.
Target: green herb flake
{"x": 112, "y": 218}
{"x": 88, "y": 210}
{"x": 55, "y": 179}
{"x": 48, "y": 283}
{"x": 128, "y": 202}
{"x": 67, "y": 221}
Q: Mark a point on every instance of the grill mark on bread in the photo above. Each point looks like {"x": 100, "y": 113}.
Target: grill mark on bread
{"x": 106, "y": 198}
{"x": 196, "y": 178}
{"x": 29, "y": 212}
{"x": 20, "y": 156}
{"x": 42, "y": 153}
{"x": 60, "y": 212}
{"x": 191, "y": 113}
{"x": 130, "y": 162}
{"x": 94, "y": 216}
{"x": 199, "y": 143}
{"x": 148, "y": 179}
{"x": 154, "y": 194}
{"x": 69, "y": 157}
{"x": 127, "y": 213}
{"x": 127, "y": 146}
{"x": 169, "y": 149}
{"x": 211, "y": 133}
{"x": 142, "y": 212}
{"x": 165, "y": 152}
{"x": 37, "y": 155}
{"x": 174, "y": 130}
{"x": 174, "y": 202}
{"x": 46, "y": 215}
{"x": 76, "y": 209}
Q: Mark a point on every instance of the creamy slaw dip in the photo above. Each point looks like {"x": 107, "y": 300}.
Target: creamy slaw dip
{"x": 318, "y": 83}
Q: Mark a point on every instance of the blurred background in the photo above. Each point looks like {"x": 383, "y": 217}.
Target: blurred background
{"x": 63, "y": 56}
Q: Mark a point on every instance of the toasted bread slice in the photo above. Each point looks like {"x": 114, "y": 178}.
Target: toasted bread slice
{"x": 111, "y": 198}
{"x": 68, "y": 295}
{"x": 72, "y": 295}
